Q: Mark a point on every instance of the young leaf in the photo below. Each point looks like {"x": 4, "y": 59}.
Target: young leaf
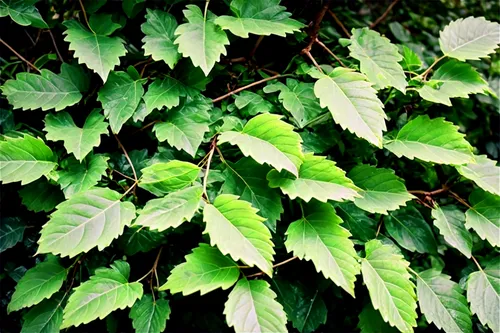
{"x": 432, "y": 140}
{"x": 22, "y": 12}
{"x": 159, "y": 37}
{"x": 78, "y": 177}
{"x": 485, "y": 173}
{"x": 388, "y": 281}
{"x": 318, "y": 178}
{"x": 150, "y": 316}
{"x": 356, "y": 220}
{"x": 411, "y": 61}
{"x": 370, "y": 321}
{"x": 251, "y": 307}
{"x": 451, "y": 224}
{"x": 267, "y": 139}
{"x": 442, "y": 301}
{"x": 235, "y": 228}
{"x": 78, "y": 141}
{"x": 318, "y": 237}
{"x": 200, "y": 39}
{"x": 45, "y": 317}
{"x": 136, "y": 239}
{"x": 484, "y": 216}
{"x": 204, "y": 270}
{"x": 24, "y": 159}
{"x": 86, "y": 220}
{"x": 165, "y": 92}
{"x": 162, "y": 178}
{"x": 106, "y": 291}
{"x": 11, "y": 232}
{"x": 378, "y": 59}
{"x": 41, "y": 196}
{"x": 258, "y": 17}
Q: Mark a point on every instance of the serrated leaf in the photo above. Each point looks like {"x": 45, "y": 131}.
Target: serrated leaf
{"x": 22, "y": 12}
{"x": 235, "y": 228}
{"x": 164, "y": 93}
{"x": 200, "y": 38}
{"x": 11, "y": 232}
{"x": 41, "y": 196}
{"x": 78, "y": 176}
{"x": 86, "y": 220}
{"x": 24, "y": 159}
{"x": 382, "y": 190}
{"x": 318, "y": 178}
{"x": 172, "y": 210}
{"x": 442, "y": 302}
{"x": 204, "y": 270}
{"x": 39, "y": 283}
{"x": 353, "y": 103}
{"x": 79, "y": 141}
{"x": 471, "y": 38}
{"x": 251, "y": 104}
{"x": 45, "y": 317}
{"x": 484, "y": 172}
{"x": 267, "y": 139}
{"x": 159, "y": 37}
{"x": 379, "y": 59}
{"x": 484, "y": 216}
{"x": 411, "y": 61}
{"x": 106, "y": 291}
{"x": 370, "y": 321}
{"x": 251, "y": 307}
{"x": 432, "y": 140}
{"x": 451, "y": 224}
{"x": 149, "y": 315}
{"x": 162, "y": 178}
{"x": 136, "y": 239}
{"x": 388, "y": 281}
{"x": 356, "y": 220}
{"x": 318, "y": 237}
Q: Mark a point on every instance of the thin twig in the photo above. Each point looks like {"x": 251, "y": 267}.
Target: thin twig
{"x": 123, "y": 175}
{"x": 18, "y": 55}
{"x": 320, "y": 43}
{"x": 146, "y": 126}
{"x": 313, "y": 60}
{"x": 477, "y": 263}
{"x": 459, "y": 199}
{"x": 339, "y": 23}
{"x": 55, "y": 45}
{"x": 384, "y": 15}
{"x": 257, "y": 43}
{"x": 209, "y": 160}
{"x": 379, "y": 226}
{"x": 274, "y": 266}
{"x": 430, "y": 194}
{"x": 127, "y": 157}
{"x": 427, "y": 71}
{"x": 218, "y": 99}
{"x": 85, "y": 15}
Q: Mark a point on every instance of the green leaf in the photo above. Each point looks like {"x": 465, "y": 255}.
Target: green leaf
{"x": 319, "y": 178}
{"x": 379, "y": 59}
{"x": 166, "y": 92}
{"x": 411, "y": 61}
{"x": 251, "y": 104}
{"x": 356, "y": 221}
{"x": 86, "y": 220}
{"x": 382, "y": 189}
{"x": 269, "y": 140}
{"x": 432, "y": 140}
{"x": 200, "y": 39}
{"x": 45, "y": 90}
{"x": 22, "y": 12}
{"x": 352, "y": 101}
{"x": 120, "y": 97}
{"x": 162, "y": 178}
{"x": 297, "y": 98}
{"x": 39, "y": 283}
{"x": 485, "y": 173}
{"x": 45, "y": 317}
{"x": 79, "y": 141}
{"x": 136, "y": 239}
{"x": 204, "y": 270}
{"x": 41, "y": 196}
{"x": 247, "y": 179}
{"x": 483, "y": 294}
{"x": 133, "y": 7}
{"x": 471, "y": 38}
{"x": 318, "y": 237}
{"x": 251, "y": 307}
{"x": 172, "y": 210}
{"x": 24, "y": 159}
{"x": 451, "y": 224}
{"x": 11, "y": 232}
{"x": 259, "y": 17}
{"x": 442, "y": 301}
{"x": 106, "y": 291}
{"x": 484, "y": 216}
{"x": 159, "y": 29}
{"x": 78, "y": 176}
{"x": 235, "y": 228}
{"x": 149, "y": 315}
{"x": 370, "y": 321}
{"x": 94, "y": 48}
{"x": 388, "y": 281}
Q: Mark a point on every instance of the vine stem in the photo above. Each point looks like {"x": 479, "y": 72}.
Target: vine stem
{"x": 384, "y": 15}
{"x": 18, "y": 55}
{"x": 218, "y": 99}
{"x": 341, "y": 25}
{"x": 274, "y": 266}
{"x": 427, "y": 71}
{"x": 127, "y": 157}
{"x": 459, "y": 199}
{"x": 55, "y": 45}
{"x": 209, "y": 160}
{"x": 477, "y": 263}
{"x": 85, "y": 16}
{"x": 320, "y": 43}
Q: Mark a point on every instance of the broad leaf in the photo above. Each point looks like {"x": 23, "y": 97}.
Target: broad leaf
{"x": 370, "y": 321}
{"x": 86, "y": 220}
{"x": 136, "y": 239}
{"x": 411, "y": 61}
{"x": 251, "y": 104}
{"x": 41, "y": 196}
{"x": 149, "y": 315}
{"x": 78, "y": 177}
{"x": 163, "y": 178}
{"x": 159, "y": 37}
{"x": 484, "y": 172}
{"x": 45, "y": 317}
{"x": 164, "y": 93}
{"x": 204, "y": 270}
{"x": 484, "y": 216}
{"x": 22, "y": 12}
{"x": 451, "y": 224}
{"x": 11, "y": 232}
{"x": 356, "y": 220}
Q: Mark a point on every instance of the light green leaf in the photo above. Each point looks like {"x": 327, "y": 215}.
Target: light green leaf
{"x": 78, "y": 177}
{"x": 86, "y": 220}
{"x": 78, "y": 141}
{"x": 471, "y": 38}
{"x": 442, "y": 301}
{"x": 45, "y": 317}
{"x": 106, "y": 291}
{"x": 172, "y": 210}
{"x": 370, "y": 321}
{"x": 159, "y": 29}
{"x": 251, "y": 104}
{"x": 269, "y": 140}
{"x": 318, "y": 237}
{"x": 319, "y": 178}
{"x": 162, "y": 178}
{"x": 200, "y": 39}
{"x": 24, "y": 159}
{"x": 22, "y": 12}
{"x": 484, "y": 216}
{"x": 451, "y": 224}
{"x": 388, "y": 281}
{"x": 204, "y": 270}
{"x": 353, "y": 103}
{"x": 136, "y": 239}
{"x": 251, "y": 307}
{"x": 161, "y": 93}
{"x": 432, "y": 140}
{"x": 411, "y": 61}
{"x": 150, "y": 316}
{"x": 39, "y": 283}
{"x": 484, "y": 172}
{"x": 41, "y": 196}
{"x": 11, "y": 232}
{"x": 356, "y": 220}
{"x": 235, "y": 228}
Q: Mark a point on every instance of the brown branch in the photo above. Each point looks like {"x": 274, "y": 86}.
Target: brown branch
{"x": 430, "y": 194}
{"x": 313, "y": 60}
{"x": 127, "y": 157}
{"x": 277, "y": 265}
{"x": 384, "y": 15}
{"x": 459, "y": 199}
{"x": 257, "y": 43}
{"x": 320, "y": 43}
{"x": 55, "y": 45}
{"x": 313, "y": 34}
{"x": 18, "y": 55}
{"x": 339, "y": 23}
{"x": 218, "y": 99}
